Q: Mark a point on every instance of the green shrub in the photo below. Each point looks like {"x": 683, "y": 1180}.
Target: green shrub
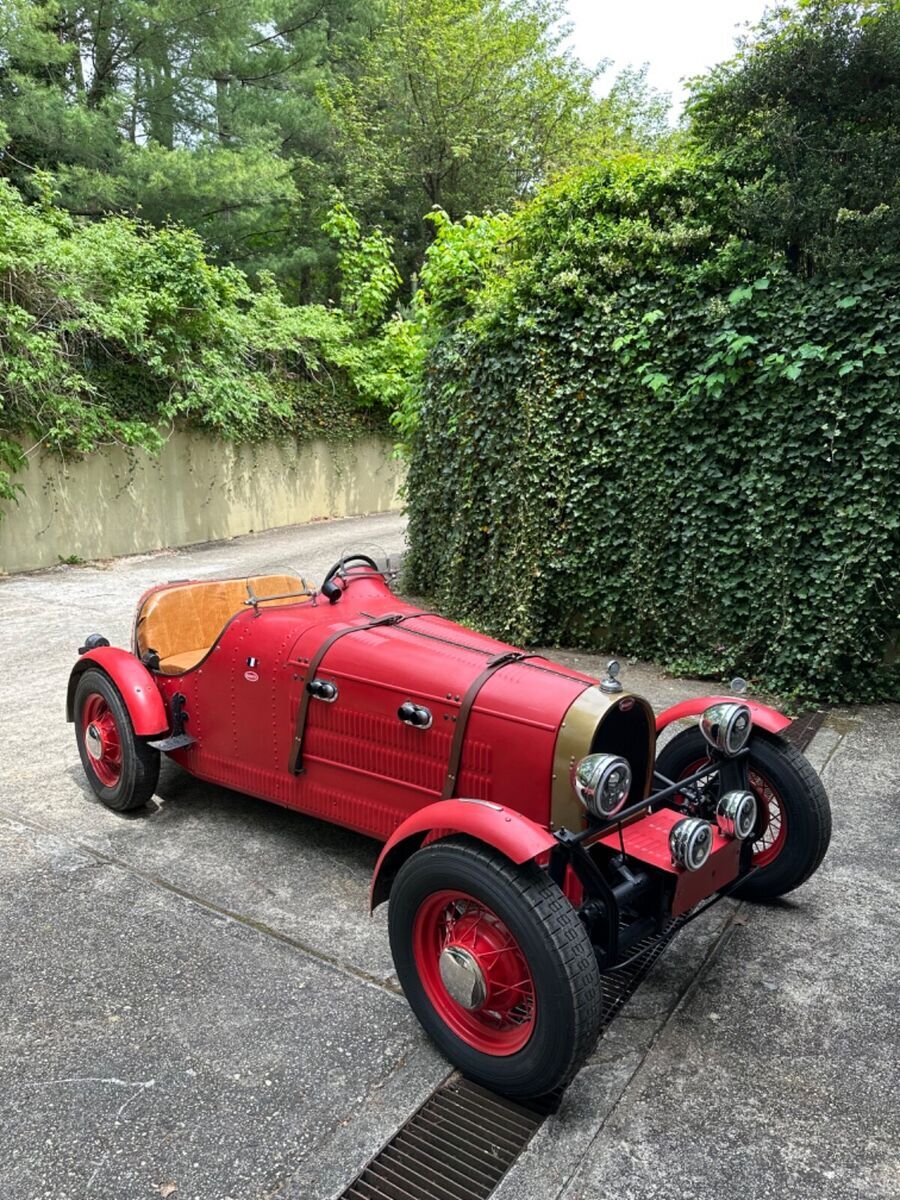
{"x": 636, "y": 430}
{"x": 111, "y": 330}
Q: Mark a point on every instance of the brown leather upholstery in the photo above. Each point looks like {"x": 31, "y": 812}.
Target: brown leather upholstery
{"x": 181, "y": 622}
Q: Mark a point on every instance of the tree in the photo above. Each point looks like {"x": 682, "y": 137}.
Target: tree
{"x": 177, "y": 109}
{"x": 247, "y": 119}
{"x": 807, "y": 117}
{"x": 461, "y": 105}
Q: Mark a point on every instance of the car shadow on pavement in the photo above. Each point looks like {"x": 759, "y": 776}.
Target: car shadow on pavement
{"x": 180, "y": 795}
{"x": 269, "y": 866}
{"x": 76, "y": 773}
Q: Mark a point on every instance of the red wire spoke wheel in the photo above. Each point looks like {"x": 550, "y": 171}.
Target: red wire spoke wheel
{"x": 474, "y": 972}
{"x": 794, "y": 814}
{"x": 122, "y": 769}
{"x": 773, "y": 835}
{"x": 496, "y": 965}
{"x": 101, "y": 739}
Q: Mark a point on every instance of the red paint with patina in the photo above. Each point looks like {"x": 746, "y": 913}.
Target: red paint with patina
{"x": 647, "y": 840}
{"x": 512, "y": 833}
{"x": 362, "y": 767}
{"x": 137, "y": 687}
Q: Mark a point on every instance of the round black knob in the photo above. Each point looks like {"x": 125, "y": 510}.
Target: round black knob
{"x": 322, "y": 689}
{"x": 416, "y": 715}
{"x": 93, "y": 641}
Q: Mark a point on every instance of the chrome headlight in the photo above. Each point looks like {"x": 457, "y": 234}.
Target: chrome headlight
{"x": 602, "y": 783}
{"x": 727, "y": 726}
{"x": 690, "y": 842}
{"x": 736, "y": 814}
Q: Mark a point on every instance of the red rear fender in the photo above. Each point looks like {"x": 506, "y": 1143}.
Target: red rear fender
{"x": 514, "y": 835}
{"x": 766, "y": 718}
{"x": 135, "y": 683}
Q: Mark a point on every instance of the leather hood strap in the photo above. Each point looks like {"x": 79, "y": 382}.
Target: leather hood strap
{"x": 295, "y": 762}
{"x": 459, "y": 733}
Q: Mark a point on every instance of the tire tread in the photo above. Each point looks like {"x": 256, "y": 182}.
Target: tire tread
{"x": 553, "y": 913}
{"x": 143, "y": 766}
{"x": 818, "y": 798}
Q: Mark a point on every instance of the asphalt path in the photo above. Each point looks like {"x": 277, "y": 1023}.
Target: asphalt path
{"x": 194, "y": 997}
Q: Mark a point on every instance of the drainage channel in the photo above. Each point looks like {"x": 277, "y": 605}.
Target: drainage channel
{"x": 464, "y": 1138}
{"x": 802, "y": 731}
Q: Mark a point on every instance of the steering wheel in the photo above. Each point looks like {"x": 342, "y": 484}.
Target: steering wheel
{"x": 350, "y": 558}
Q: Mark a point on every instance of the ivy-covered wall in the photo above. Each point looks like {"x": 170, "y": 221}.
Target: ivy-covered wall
{"x": 637, "y": 432}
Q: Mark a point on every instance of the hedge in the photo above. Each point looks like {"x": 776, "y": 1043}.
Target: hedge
{"x": 635, "y": 433}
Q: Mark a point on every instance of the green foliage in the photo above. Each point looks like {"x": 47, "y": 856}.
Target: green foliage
{"x": 369, "y": 279}
{"x": 807, "y": 117}
{"x": 466, "y": 105}
{"x": 209, "y": 115}
{"x": 460, "y": 261}
{"x": 111, "y": 330}
{"x": 657, "y": 408}
{"x": 241, "y": 119}
{"x": 636, "y": 429}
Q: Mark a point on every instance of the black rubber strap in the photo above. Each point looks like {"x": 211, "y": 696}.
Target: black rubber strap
{"x": 295, "y": 762}
{"x": 459, "y": 733}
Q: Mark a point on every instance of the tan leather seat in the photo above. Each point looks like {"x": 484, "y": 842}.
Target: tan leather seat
{"x": 182, "y": 621}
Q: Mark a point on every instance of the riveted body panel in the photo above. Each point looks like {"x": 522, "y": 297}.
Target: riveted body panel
{"x": 357, "y": 707}
{"x": 361, "y": 765}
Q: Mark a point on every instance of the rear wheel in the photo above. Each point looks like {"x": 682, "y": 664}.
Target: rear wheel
{"x": 795, "y": 816}
{"x": 120, "y": 767}
{"x": 496, "y": 965}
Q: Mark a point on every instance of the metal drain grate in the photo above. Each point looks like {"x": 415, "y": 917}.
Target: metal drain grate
{"x": 458, "y": 1146}
{"x": 802, "y": 731}
{"x": 463, "y": 1140}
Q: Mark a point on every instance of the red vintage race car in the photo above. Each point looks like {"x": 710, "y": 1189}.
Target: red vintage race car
{"x": 532, "y": 837}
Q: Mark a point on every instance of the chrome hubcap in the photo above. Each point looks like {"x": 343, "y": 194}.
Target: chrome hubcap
{"x": 462, "y": 977}
{"x": 93, "y": 742}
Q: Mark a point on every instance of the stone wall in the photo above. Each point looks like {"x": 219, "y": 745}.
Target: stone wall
{"x": 198, "y": 489}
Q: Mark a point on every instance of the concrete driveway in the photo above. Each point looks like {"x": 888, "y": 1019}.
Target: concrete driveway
{"x": 193, "y": 996}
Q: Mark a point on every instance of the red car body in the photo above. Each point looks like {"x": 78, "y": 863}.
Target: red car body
{"x": 351, "y": 705}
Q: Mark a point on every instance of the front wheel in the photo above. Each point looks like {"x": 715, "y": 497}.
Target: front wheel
{"x": 795, "y": 816}
{"x": 496, "y": 965}
{"x": 120, "y": 767}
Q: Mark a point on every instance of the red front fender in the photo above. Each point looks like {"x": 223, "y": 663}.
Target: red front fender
{"x": 519, "y": 838}
{"x": 766, "y": 718}
{"x": 135, "y": 683}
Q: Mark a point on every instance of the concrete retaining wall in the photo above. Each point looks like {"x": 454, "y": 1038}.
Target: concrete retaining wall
{"x": 199, "y": 489}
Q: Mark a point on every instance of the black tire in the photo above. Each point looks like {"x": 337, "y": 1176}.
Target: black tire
{"x": 139, "y": 763}
{"x": 550, "y": 937}
{"x": 807, "y": 813}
